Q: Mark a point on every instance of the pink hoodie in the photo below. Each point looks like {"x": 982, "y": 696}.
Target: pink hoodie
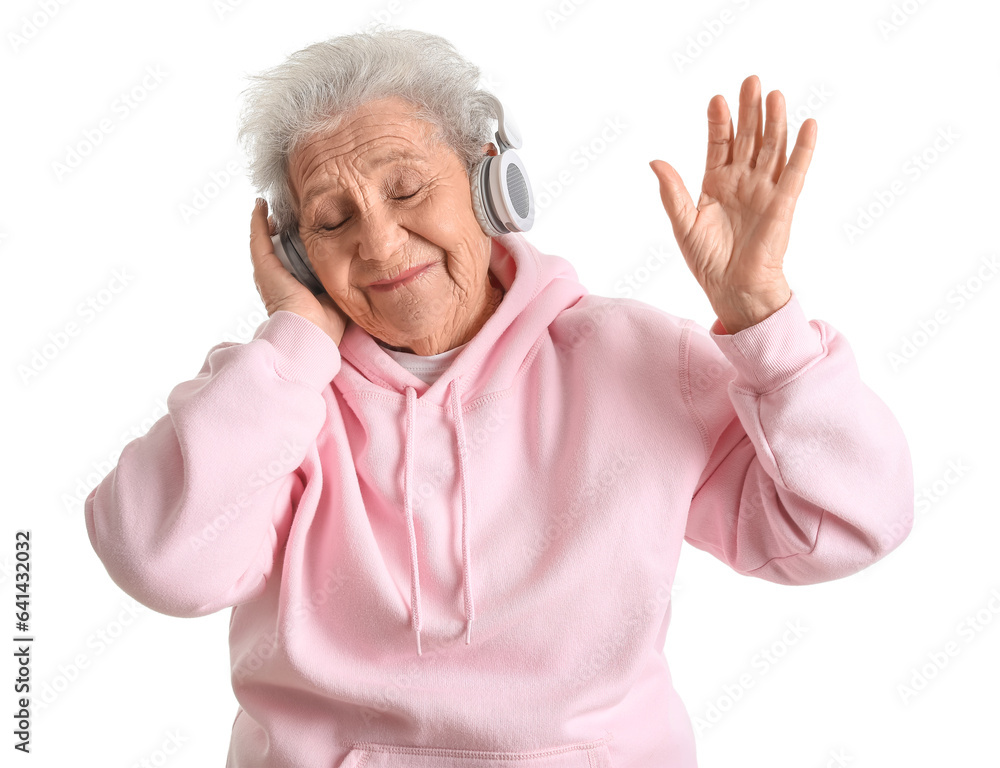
{"x": 478, "y": 571}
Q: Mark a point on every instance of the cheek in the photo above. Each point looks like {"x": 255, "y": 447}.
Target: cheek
{"x": 342, "y": 287}
{"x": 333, "y": 272}
{"x": 451, "y": 224}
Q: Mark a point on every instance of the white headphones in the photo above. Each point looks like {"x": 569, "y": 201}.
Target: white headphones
{"x": 501, "y": 192}
{"x": 501, "y": 198}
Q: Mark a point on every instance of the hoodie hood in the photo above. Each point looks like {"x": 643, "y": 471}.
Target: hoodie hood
{"x": 538, "y": 287}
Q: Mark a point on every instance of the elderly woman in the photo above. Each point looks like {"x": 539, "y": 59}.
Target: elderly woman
{"x": 445, "y": 496}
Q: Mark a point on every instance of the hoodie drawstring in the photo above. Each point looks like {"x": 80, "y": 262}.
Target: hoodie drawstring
{"x": 411, "y": 396}
{"x": 456, "y": 411}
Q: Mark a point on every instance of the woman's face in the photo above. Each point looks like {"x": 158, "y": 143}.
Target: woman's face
{"x": 379, "y": 197}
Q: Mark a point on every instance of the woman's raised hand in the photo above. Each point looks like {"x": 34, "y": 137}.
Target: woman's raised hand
{"x": 735, "y": 240}
{"x": 279, "y": 289}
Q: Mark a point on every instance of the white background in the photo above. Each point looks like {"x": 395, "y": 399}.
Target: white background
{"x": 889, "y": 84}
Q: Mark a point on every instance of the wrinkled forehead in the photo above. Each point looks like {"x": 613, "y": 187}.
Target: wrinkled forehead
{"x": 371, "y": 142}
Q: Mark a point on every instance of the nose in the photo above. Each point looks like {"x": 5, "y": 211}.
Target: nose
{"x": 381, "y": 234}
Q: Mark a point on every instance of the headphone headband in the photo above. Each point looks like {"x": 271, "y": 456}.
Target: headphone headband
{"x": 508, "y": 135}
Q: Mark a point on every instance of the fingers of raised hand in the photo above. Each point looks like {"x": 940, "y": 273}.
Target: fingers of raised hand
{"x": 793, "y": 175}
{"x": 749, "y": 133}
{"x": 720, "y": 134}
{"x": 772, "y": 152}
{"x": 676, "y": 199}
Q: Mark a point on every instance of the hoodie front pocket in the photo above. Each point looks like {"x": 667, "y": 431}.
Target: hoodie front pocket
{"x": 591, "y": 754}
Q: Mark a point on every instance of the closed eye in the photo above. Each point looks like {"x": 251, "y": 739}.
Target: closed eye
{"x": 407, "y": 197}
{"x": 403, "y": 197}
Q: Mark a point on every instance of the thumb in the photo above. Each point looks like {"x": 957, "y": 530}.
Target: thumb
{"x": 676, "y": 200}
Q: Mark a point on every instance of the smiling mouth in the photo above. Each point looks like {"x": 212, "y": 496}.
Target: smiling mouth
{"x": 401, "y": 279}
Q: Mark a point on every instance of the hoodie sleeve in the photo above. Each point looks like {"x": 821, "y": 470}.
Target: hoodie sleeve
{"x": 191, "y": 518}
{"x": 808, "y": 475}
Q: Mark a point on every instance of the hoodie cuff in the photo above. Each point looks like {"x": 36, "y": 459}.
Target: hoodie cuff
{"x": 303, "y": 352}
{"x": 770, "y": 353}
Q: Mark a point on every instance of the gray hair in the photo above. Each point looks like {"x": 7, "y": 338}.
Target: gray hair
{"x": 311, "y": 91}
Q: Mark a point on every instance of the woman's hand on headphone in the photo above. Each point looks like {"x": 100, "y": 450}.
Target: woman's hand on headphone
{"x": 279, "y": 289}
{"x": 735, "y": 240}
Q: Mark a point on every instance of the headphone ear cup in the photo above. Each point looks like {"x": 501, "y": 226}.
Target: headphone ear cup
{"x": 292, "y": 253}
{"x": 479, "y": 185}
{"x": 512, "y": 202}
